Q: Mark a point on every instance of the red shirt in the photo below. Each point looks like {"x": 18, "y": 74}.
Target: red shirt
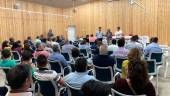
{"x": 122, "y": 86}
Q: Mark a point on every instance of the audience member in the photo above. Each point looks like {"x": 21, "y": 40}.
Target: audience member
{"x": 103, "y": 59}
{"x": 95, "y": 88}
{"x": 121, "y": 51}
{"x": 16, "y": 47}
{"x": 37, "y": 40}
{"x": 6, "y": 59}
{"x": 43, "y": 73}
{"x": 134, "y": 43}
{"x": 56, "y": 55}
{"x": 92, "y": 38}
{"x": 11, "y": 41}
{"x": 40, "y": 50}
{"x": 137, "y": 82}
{"x": 5, "y": 45}
{"x": 26, "y": 58}
{"x": 113, "y": 46}
{"x": 134, "y": 54}
{"x": 67, "y": 47}
{"x": 80, "y": 76}
{"x": 28, "y": 48}
{"x": 152, "y": 47}
{"x": 95, "y": 48}
{"x": 19, "y": 79}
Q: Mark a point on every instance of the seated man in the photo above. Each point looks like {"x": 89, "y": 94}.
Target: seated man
{"x": 43, "y": 73}
{"x": 19, "y": 79}
{"x": 56, "y": 55}
{"x": 80, "y": 76}
{"x": 6, "y": 59}
{"x": 113, "y": 46}
{"x": 96, "y": 88}
{"x": 134, "y": 43}
{"x": 40, "y": 50}
{"x": 121, "y": 51}
{"x": 152, "y": 47}
{"x": 27, "y": 59}
{"x": 103, "y": 59}
{"x": 66, "y": 48}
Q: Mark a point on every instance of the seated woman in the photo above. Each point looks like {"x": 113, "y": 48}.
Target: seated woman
{"x": 137, "y": 82}
{"x": 95, "y": 88}
{"x": 134, "y": 54}
{"x": 6, "y": 59}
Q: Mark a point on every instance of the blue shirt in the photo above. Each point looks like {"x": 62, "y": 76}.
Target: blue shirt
{"x": 99, "y": 34}
{"x": 77, "y": 79}
{"x": 59, "y": 57}
{"x": 7, "y": 63}
{"x": 153, "y": 47}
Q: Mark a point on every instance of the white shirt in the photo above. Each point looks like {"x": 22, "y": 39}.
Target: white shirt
{"x": 119, "y": 34}
{"x": 20, "y": 94}
{"x": 45, "y": 75}
{"x": 112, "y": 47}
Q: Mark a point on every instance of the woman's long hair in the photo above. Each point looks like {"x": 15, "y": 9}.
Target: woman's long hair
{"x": 137, "y": 73}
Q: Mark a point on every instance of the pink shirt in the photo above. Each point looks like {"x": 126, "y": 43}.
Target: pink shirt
{"x": 39, "y": 52}
{"x": 92, "y": 39}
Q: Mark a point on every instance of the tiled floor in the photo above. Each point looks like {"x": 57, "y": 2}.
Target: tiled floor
{"x": 164, "y": 83}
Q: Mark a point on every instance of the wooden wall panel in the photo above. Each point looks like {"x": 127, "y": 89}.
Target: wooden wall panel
{"x": 132, "y": 19}
{"x": 21, "y": 25}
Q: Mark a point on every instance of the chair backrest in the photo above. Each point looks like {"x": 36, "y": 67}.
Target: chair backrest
{"x": 151, "y": 65}
{"x": 119, "y": 61}
{"x": 104, "y": 74}
{"x": 48, "y": 88}
{"x": 116, "y": 93}
{"x": 72, "y": 91}
{"x": 156, "y": 56}
{"x": 16, "y": 56}
{"x": 92, "y": 43}
{"x": 67, "y": 70}
{"x": 3, "y": 91}
{"x": 56, "y": 66}
{"x": 84, "y": 52}
{"x": 67, "y": 56}
{"x": 110, "y": 52}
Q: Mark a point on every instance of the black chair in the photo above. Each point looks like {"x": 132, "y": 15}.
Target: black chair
{"x": 156, "y": 56}
{"x": 92, "y": 43}
{"x": 3, "y": 91}
{"x": 84, "y": 52}
{"x": 16, "y": 56}
{"x": 119, "y": 61}
{"x": 110, "y": 52}
{"x": 72, "y": 91}
{"x": 56, "y": 66}
{"x": 67, "y": 57}
{"x": 48, "y": 88}
{"x": 104, "y": 74}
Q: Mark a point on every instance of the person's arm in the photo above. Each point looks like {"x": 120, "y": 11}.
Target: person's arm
{"x": 59, "y": 80}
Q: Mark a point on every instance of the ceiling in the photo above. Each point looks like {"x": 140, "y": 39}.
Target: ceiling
{"x": 59, "y": 3}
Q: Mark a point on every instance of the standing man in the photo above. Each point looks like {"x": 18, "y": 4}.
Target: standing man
{"x": 118, "y": 33}
{"x": 50, "y": 33}
{"x": 109, "y": 35}
{"x": 99, "y": 33}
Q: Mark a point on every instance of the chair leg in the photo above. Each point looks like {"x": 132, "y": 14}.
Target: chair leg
{"x": 157, "y": 81}
{"x": 166, "y": 70}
